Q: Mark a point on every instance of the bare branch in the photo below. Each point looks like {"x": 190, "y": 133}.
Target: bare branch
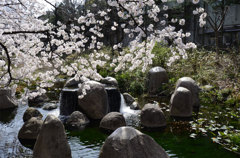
{"x": 26, "y": 32}
{"x": 211, "y": 22}
{"x": 223, "y": 18}
{"x": 9, "y": 62}
{"x": 50, "y": 4}
{"x": 22, "y": 3}
{"x": 9, "y": 4}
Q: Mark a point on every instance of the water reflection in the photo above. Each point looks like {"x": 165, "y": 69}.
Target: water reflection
{"x": 86, "y": 143}
{"x": 182, "y": 146}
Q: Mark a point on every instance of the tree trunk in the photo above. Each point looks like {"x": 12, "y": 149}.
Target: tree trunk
{"x": 216, "y": 42}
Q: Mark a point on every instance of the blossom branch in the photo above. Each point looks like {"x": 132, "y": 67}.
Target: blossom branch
{"x": 132, "y": 17}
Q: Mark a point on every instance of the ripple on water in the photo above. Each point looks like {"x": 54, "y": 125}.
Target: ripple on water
{"x": 9, "y": 144}
{"x": 87, "y": 143}
{"x": 80, "y": 149}
{"x": 11, "y": 147}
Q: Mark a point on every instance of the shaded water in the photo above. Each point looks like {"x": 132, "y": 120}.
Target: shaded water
{"x": 87, "y": 143}
{"x": 182, "y": 146}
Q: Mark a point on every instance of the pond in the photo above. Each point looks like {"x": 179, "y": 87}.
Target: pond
{"x": 87, "y": 143}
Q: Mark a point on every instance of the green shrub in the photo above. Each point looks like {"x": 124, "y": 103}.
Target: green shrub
{"x": 162, "y": 54}
{"x": 136, "y": 88}
{"x": 235, "y": 138}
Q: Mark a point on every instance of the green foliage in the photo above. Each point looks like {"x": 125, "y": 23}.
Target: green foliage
{"x": 137, "y": 88}
{"x": 218, "y": 76}
{"x": 224, "y": 97}
{"x": 124, "y": 81}
{"x": 235, "y": 138}
{"x": 221, "y": 76}
{"x": 162, "y": 54}
{"x": 131, "y": 82}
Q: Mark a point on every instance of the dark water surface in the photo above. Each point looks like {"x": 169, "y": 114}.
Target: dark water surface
{"x": 87, "y": 143}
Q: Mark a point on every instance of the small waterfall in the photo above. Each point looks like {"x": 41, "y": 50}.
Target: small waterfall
{"x": 68, "y": 101}
{"x": 132, "y": 117}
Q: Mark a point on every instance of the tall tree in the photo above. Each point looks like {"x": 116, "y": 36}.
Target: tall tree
{"x": 216, "y": 18}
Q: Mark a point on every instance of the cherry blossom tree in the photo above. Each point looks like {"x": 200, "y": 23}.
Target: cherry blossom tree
{"x": 34, "y": 51}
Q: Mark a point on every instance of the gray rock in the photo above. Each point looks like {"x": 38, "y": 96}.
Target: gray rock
{"x": 181, "y": 104}
{"x": 50, "y": 106}
{"x": 127, "y": 142}
{"x": 135, "y": 106}
{"x": 38, "y": 101}
{"x": 152, "y": 116}
{"x": 110, "y": 81}
{"x": 31, "y": 112}
{"x": 6, "y": 100}
{"x": 52, "y": 141}
{"x": 112, "y": 121}
{"x": 128, "y": 98}
{"x": 76, "y": 121}
{"x": 95, "y": 103}
{"x": 30, "y": 129}
{"x": 191, "y": 85}
{"x": 72, "y": 83}
{"x": 156, "y": 77}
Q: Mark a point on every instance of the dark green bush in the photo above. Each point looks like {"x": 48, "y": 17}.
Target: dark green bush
{"x": 162, "y": 54}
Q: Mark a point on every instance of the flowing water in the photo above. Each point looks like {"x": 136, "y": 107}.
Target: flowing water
{"x": 87, "y": 143}
{"x": 132, "y": 117}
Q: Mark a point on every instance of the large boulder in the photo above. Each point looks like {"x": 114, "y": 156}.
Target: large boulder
{"x": 6, "y": 100}
{"x": 38, "y": 101}
{"x": 152, "y": 116}
{"x": 181, "y": 103}
{"x": 6, "y": 92}
{"x": 30, "y": 130}
{"x": 191, "y": 85}
{"x": 127, "y": 142}
{"x": 31, "y": 112}
{"x": 95, "y": 103}
{"x": 156, "y": 77}
{"x": 52, "y": 141}
{"x": 110, "y": 81}
{"x": 112, "y": 121}
{"x": 76, "y": 121}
